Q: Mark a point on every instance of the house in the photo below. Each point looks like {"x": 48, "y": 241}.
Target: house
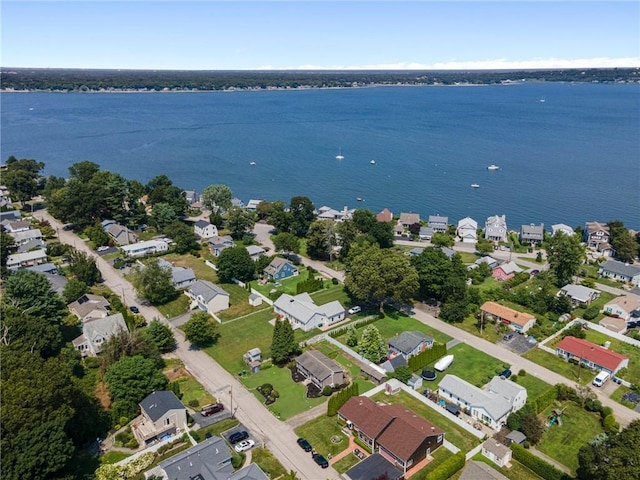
{"x": 515, "y": 437}
{"x": 10, "y": 215}
{"x": 532, "y": 234}
{"x": 595, "y": 233}
{"x": 515, "y": 394}
{"x": 449, "y": 252}
{"x": 373, "y": 372}
{"x": 475, "y": 470}
{"x": 492, "y": 262}
{"x": 405, "y": 221}
{"x": 409, "y": 344}
{"x": 255, "y": 252}
{"x": 207, "y": 296}
{"x": 57, "y": 282}
{"x": 393, "y": 431}
{"x": 591, "y": 355}
{"x": 31, "y": 245}
{"x": 253, "y": 204}
{"x": 44, "y": 268}
{"x": 279, "y": 269}
{"x": 438, "y": 223}
{"x": 106, "y": 223}
{"x": 505, "y": 271}
{"x": 328, "y": 213}
{"x": 148, "y": 247}
{"x": 90, "y": 306}
{"x": 415, "y": 382}
{"x": 392, "y": 363}
{"x": 303, "y": 313}
{"x": 249, "y": 472}
{"x": 467, "y": 230}
{"x": 96, "y": 331}
{"x": 25, "y": 236}
{"x": 385, "y": 215}
{"x": 520, "y": 322}
{"x": 255, "y": 300}
{"x": 605, "y": 250}
{"x": 15, "y": 226}
{"x": 489, "y": 408}
{"x": 621, "y": 272}
{"x": 17, "y": 261}
{"x": 191, "y": 196}
{"x": 426, "y": 233}
{"x": 616, "y": 325}
{"x": 561, "y": 227}
{"x": 204, "y": 229}
{"x": 372, "y": 467}
{"x": 181, "y": 277}
{"x": 320, "y": 369}
{"x": 496, "y": 452}
{"x": 622, "y": 306}
{"x": 579, "y": 294}
{"x": 218, "y": 244}
{"x": 495, "y": 228}
{"x": 236, "y": 202}
{"x": 415, "y": 252}
{"x": 121, "y": 234}
{"x": 162, "y": 415}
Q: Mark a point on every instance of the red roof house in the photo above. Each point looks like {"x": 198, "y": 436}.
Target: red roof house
{"x": 591, "y": 355}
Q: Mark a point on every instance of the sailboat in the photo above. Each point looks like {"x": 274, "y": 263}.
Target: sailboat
{"x": 339, "y": 156}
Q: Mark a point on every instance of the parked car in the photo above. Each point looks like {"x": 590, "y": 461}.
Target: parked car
{"x": 134, "y": 309}
{"x": 506, "y": 373}
{"x": 304, "y": 444}
{"x": 238, "y": 436}
{"x": 507, "y": 337}
{"x": 320, "y": 460}
{"x": 244, "y": 445}
{"x": 103, "y": 248}
{"x": 354, "y": 310}
{"x": 211, "y": 409}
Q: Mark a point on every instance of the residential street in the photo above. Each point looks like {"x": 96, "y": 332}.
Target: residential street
{"x": 277, "y": 436}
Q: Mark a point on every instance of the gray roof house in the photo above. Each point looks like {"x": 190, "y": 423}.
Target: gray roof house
{"x": 25, "y": 236}
{"x": 205, "y": 229}
{"x": 303, "y": 313}
{"x": 426, "y": 233}
{"x": 96, "y": 331}
{"x": 532, "y": 234}
{"x": 90, "y": 306}
{"x": 372, "y": 467}
{"x": 218, "y": 244}
{"x": 320, "y": 369}
{"x": 180, "y": 276}
{"x": 516, "y": 437}
{"x": 408, "y": 344}
{"x": 34, "y": 244}
{"x": 162, "y": 415}
{"x": 579, "y": 294}
{"x": 250, "y": 472}
{"x": 121, "y": 234}
{"x": 392, "y": 363}
{"x": 255, "y": 251}
{"x": 438, "y": 223}
{"x": 475, "y": 470}
{"x": 44, "y": 268}
{"x": 17, "y": 261}
{"x": 58, "y": 282}
{"x": 622, "y": 272}
{"x": 207, "y": 296}
{"x": 515, "y": 394}
{"x": 495, "y": 228}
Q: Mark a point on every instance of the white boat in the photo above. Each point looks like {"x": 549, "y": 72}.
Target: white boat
{"x": 493, "y": 167}
{"x": 475, "y": 185}
{"x": 360, "y": 199}
{"x": 252, "y": 163}
{"x": 542, "y": 100}
{"x": 444, "y": 363}
{"x": 372, "y": 162}
{"x": 339, "y": 156}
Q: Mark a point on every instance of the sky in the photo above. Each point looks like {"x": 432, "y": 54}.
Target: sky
{"x": 250, "y": 35}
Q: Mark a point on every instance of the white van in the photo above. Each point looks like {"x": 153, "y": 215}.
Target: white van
{"x": 601, "y": 378}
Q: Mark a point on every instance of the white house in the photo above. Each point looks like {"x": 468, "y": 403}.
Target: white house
{"x": 17, "y": 261}
{"x": 561, "y": 227}
{"x": 579, "y": 294}
{"x": 467, "y": 230}
{"x": 253, "y": 204}
{"x": 207, "y": 296}
{"x": 255, "y": 251}
{"x": 304, "y": 314}
{"x": 328, "y": 213}
{"x": 515, "y": 394}
{"x": 205, "y": 229}
{"x": 622, "y": 306}
{"x": 148, "y": 247}
{"x": 181, "y": 277}
{"x": 495, "y": 228}
{"x": 25, "y": 236}
{"x": 622, "y": 272}
{"x": 96, "y": 331}
{"x": 496, "y": 452}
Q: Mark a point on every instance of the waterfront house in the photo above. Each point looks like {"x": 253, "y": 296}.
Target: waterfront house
{"x": 218, "y": 244}
{"x": 532, "y": 234}
{"x": 191, "y": 196}
{"x": 162, "y": 415}
{"x": 207, "y": 296}
{"x": 121, "y": 235}
{"x": 204, "y": 229}
{"x": 328, "y": 213}
{"x": 320, "y": 369}
{"x": 438, "y": 223}
{"x": 622, "y": 272}
{"x": 252, "y": 205}
{"x": 409, "y": 344}
{"x": 561, "y": 227}
{"x": 90, "y": 306}
{"x": 303, "y": 313}
{"x": 96, "y": 331}
{"x": 279, "y": 269}
{"x": 385, "y": 215}
{"x": 622, "y": 306}
{"x": 579, "y": 294}
{"x": 505, "y": 271}
{"x": 149, "y": 247}
{"x": 405, "y": 221}
{"x": 467, "y": 230}
{"x": 426, "y": 233}
{"x": 591, "y": 355}
{"x": 17, "y": 261}
{"x": 595, "y": 233}
{"x": 495, "y": 228}
{"x": 393, "y": 431}
{"x": 520, "y": 322}
{"x": 496, "y": 452}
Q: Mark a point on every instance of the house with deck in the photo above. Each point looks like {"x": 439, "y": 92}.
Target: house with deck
{"x": 279, "y": 269}
{"x": 162, "y": 415}
{"x": 595, "y": 233}
{"x": 495, "y": 228}
{"x": 591, "y": 355}
{"x": 303, "y": 313}
{"x": 408, "y": 344}
{"x": 328, "y": 213}
{"x": 532, "y": 234}
{"x": 519, "y": 322}
{"x": 622, "y": 272}
{"x": 320, "y": 369}
{"x": 439, "y": 223}
{"x": 405, "y": 221}
{"x": 467, "y": 230}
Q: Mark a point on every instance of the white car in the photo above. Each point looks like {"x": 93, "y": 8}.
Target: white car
{"x": 244, "y": 445}
{"x": 103, "y": 248}
{"x": 354, "y": 310}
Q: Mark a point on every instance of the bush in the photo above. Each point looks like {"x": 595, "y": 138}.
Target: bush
{"x": 514, "y": 378}
{"x": 539, "y": 466}
{"x": 591, "y": 312}
{"x": 606, "y": 411}
{"x": 194, "y": 403}
{"x": 522, "y": 372}
{"x": 610, "y": 425}
{"x": 327, "y": 391}
{"x": 447, "y": 468}
{"x": 123, "y": 420}
{"x": 132, "y": 444}
{"x": 196, "y": 436}
{"x": 275, "y": 394}
{"x": 334, "y": 281}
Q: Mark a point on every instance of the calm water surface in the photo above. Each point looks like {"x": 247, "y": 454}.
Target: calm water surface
{"x": 573, "y": 158}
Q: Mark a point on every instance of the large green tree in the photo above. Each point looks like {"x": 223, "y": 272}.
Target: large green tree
{"x": 372, "y": 346}
{"x": 321, "y": 239}
{"x": 129, "y": 344}
{"x": 21, "y": 178}
{"x": 7, "y": 244}
{"x": 216, "y": 198}
{"x": 162, "y": 215}
{"x": 565, "y": 255}
{"x": 29, "y": 333}
{"x": 73, "y": 290}
{"x": 286, "y": 242}
{"x": 235, "y": 262}
{"x": 84, "y": 268}
{"x": 302, "y": 214}
{"x": 200, "y": 329}
{"x": 161, "y": 335}
{"x": 622, "y": 241}
{"x": 434, "y": 268}
{"x": 185, "y": 239}
{"x": 239, "y": 221}
{"x": 31, "y": 293}
{"x": 154, "y": 282}
{"x": 280, "y": 217}
{"x": 283, "y": 344}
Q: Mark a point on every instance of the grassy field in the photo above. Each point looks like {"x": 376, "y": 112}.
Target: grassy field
{"x": 562, "y": 442}
{"x": 468, "y": 257}
{"x": 535, "y": 387}
{"x": 190, "y": 388}
{"x": 472, "y": 365}
{"x": 267, "y": 462}
{"x": 176, "y": 307}
{"x": 556, "y": 364}
{"x": 113, "y": 457}
{"x": 319, "y": 432}
{"x": 455, "y": 434}
{"x": 490, "y": 331}
{"x": 334, "y": 292}
{"x": 238, "y": 303}
{"x": 196, "y": 264}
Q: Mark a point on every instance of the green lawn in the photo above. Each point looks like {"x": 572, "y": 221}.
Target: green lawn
{"x": 535, "y": 387}
{"x": 334, "y": 292}
{"x": 604, "y": 298}
{"x": 490, "y": 331}
{"x": 439, "y": 456}
{"x": 453, "y": 433}
{"x": 319, "y": 432}
{"x": 619, "y": 393}
{"x": 468, "y": 257}
{"x": 517, "y": 471}
{"x": 176, "y": 307}
{"x": 113, "y": 457}
{"x": 348, "y": 363}
{"x": 472, "y": 365}
{"x": 288, "y": 285}
{"x": 267, "y": 462}
{"x": 238, "y": 303}
{"x": 556, "y": 364}
{"x": 217, "y": 428}
{"x": 192, "y": 390}
{"x": 196, "y": 264}
{"x": 562, "y": 442}
{"x": 345, "y": 463}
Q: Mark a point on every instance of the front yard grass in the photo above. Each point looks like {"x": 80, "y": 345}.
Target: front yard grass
{"x": 196, "y": 264}
{"x": 113, "y": 457}
{"x": 345, "y": 463}
{"x": 562, "y": 442}
{"x": 193, "y": 391}
{"x": 318, "y": 433}
{"x": 238, "y": 303}
{"x": 350, "y": 365}
{"x": 453, "y": 433}
{"x": 217, "y": 428}
{"x": 267, "y": 462}
{"x": 516, "y": 471}
{"x": 556, "y": 364}
{"x": 333, "y": 293}
{"x": 535, "y": 387}
{"x": 470, "y": 364}
{"x": 619, "y": 393}
{"x": 176, "y": 307}
{"x": 439, "y": 456}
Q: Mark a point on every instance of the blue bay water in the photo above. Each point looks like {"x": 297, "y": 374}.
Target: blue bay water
{"x": 573, "y": 158}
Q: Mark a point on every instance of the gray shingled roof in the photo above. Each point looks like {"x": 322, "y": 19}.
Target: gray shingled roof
{"x": 579, "y": 292}
{"x": 105, "y": 328}
{"x": 276, "y": 265}
{"x": 438, "y": 219}
{"x": 202, "y": 224}
{"x": 620, "y": 268}
{"x": 320, "y": 366}
{"x": 475, "y": 470}
{"x": 209, "y": 460}
{"x": 495, "y": 405}
{"x": 207, "y": 289}
{"x": 372, "y": 467}
{"x": 157, "y": 403}
{"x": 250, "y": 472}
{"x": 302, "y": 308}
{"x": 505, "y": 388}
{"x": 532, "y": 230}
{"x": 405, "y": 342}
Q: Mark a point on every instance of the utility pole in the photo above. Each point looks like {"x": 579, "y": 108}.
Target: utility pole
{"x": 231, "y": 406}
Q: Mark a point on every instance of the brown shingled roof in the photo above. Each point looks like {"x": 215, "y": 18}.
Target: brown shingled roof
{"x": 365, "y": 415}
{"x": 506, "y": 313}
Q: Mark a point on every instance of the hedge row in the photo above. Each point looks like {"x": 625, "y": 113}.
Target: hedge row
{"x": 429, "y": 355}
{"x": 539, "y": 466}
{"x": 358, "y": 323}
{"x": 340, "y": 398}
{"x": 447, "y": 468}
{"x": 545, "y": 399}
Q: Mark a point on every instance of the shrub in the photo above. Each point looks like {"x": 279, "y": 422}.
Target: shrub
{"x": 447, "y": 468}
{"x": 334, "y": 281}
{"x": 327, "y": 391}
{"x": 539, "y": 466}
{"x": 132, "y": 444}
{"x": 610, "y": 425}
{"x": 591, "y": 312}
{"x": 194, "y": 403}
{"x": 336, "y": 401}
{"x": 606, "y": 411}
{"x": 196, "y": 436}
{"x": 123, "y": 420}
{"x": 275, "y": 394}
{"x": 522, "y": 372}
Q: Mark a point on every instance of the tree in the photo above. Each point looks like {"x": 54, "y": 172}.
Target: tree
{"x": 352, "y": 337}
{"x": 441, "y": 239}
{"x": 31, "y": 293}
{"x": 346, "y": 234}
{"x": 130, "y": 380}
{"x": 283, "y": 344}
{"x": 402, "y": 373}
{"x": 532, "y": 427}
{"x": 97, "y": 235}
{"x": 235, "y": 262}
{"x": 433, "y": 268}
{"x": 279, "y": 217}
{"x": 321, "y": 239}
{"x": 622, "y": 241}
{"x": 161, "y": 335}
{"x": 612, "y": 457}
{"x": 302, "y": 214}
{"x": 377, "y": 275}
{"x": 483, "y": 245}
{"x": 200, "y": 329}
{"x": 21, "y": 178}
{"x": 84, "y": 267}
{"x": 84, "y": 171}
{"x": 73, "y": 290}
{"x": 454, "y": 311}
{"x": 286, "y": 242}
{"x": 28, "y": 333}
{"x": 372, "y": 346}
{"x": 154, "y": 282}
{"x": 239, "y": 221}
{"x": 129, "y": 344}
{"x": 216, "y": 198}
{"x": 162, "y": 215}
{"x": 185, "y": 239}
{"x": 7, "y": 244}
{"x": 565, "y": 255}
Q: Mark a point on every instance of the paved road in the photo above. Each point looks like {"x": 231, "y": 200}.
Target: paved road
{"x": 277, "y": 436}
